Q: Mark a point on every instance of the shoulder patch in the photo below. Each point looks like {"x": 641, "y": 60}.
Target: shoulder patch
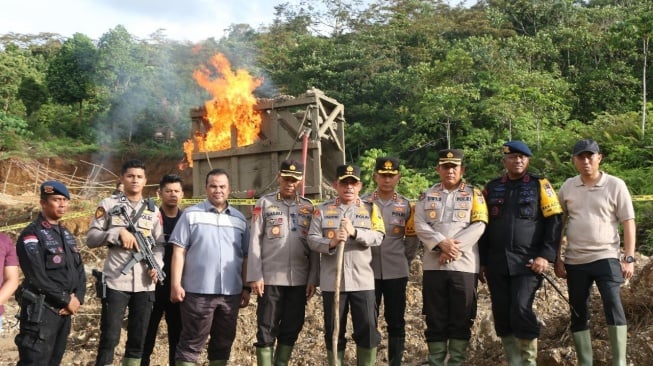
{"x": 99, "y": 213}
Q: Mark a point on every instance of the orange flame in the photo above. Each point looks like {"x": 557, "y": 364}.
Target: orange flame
{"x": 232, "y": 106}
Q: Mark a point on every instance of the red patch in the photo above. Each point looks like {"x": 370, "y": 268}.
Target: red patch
{"x": 316, "y": 213}
{"x": 256, "y": 212}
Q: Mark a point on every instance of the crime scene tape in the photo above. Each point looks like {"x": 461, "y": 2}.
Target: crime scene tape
{"x": 232, "y": 201}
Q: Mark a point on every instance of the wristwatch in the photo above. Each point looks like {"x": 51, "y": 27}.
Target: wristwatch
{"x": 628, "y": 259}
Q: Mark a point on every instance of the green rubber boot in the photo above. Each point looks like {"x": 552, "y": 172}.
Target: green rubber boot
{"x": 396, "y": 350}
{"x": 511, "y": 349}
{"x": 341, "y": 358}
{"x": 437, "y": 353}
{"x": 583, "y": 343}
{"x": 131, "y": 361}
{"x": 184, "y": 363}
{"x": 618, "y": 335}
{"x": 263, "y": 356}
{"x": 457, "y": 351}
{"x": 282, "y": 354}
{"x": 218, "y": 363}
{"x": 365, "y": 356}
{"x": 528, "y": 351}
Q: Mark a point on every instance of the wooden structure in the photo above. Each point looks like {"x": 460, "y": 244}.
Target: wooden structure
{"x": 286, "y": 120}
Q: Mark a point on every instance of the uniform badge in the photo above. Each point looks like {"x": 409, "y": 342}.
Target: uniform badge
{"x": 316, "y": 213}
{"x": 396, "y": 230}
{"x": 99, "y": 213}
{"x": 276, "y": 230}
{"x": 462, "y": 214}
{"x": 57, "y": 259}
{"x": 432, "y": 214}
{"x": 330, "y": 234}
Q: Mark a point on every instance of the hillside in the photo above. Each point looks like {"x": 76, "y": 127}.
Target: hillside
{"x": 18, "y": 203}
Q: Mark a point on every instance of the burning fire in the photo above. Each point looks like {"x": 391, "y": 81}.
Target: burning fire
{"x": 232, "y": 106}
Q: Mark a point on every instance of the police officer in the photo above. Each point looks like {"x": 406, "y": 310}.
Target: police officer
{"x": 521, "y": 238}
{"x": 391, "y": 260}
{"x": 360, "y": 226}
{"x": 135, "y": 288}
{"x": 54, "y": 284}
{"x": 449, "y": 219}
{"x": 281, "y": 269}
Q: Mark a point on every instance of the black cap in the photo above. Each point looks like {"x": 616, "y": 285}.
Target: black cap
{"x": 450, "y": 156}
{"x": 516, "y": 147}
{"x": 53, "y": 187}
{"x": 348, "y": 171}
{"x": 386, "y": 165}
{"x": 586, "y": 145}
{"x": 291, "y": 168}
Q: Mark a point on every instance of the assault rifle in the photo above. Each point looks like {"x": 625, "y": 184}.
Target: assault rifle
{"x": 145, "y": 245}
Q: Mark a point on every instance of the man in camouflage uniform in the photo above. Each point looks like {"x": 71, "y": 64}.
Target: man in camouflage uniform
{"x": 391, "y": 260}
{"x": 135, "y": 289}
{"x": 281, "y": 269}
{"x": 449, "y": 219}
{"x": 360, "y": 226}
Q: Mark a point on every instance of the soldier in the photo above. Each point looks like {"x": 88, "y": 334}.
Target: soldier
{"x": 171, "y": 193}
{"x": 449, "y": 219}
{"x": 391, "y": 260}
{"x": 360, "y": 226}
{"x": 521, "y": 238}
{"x": 135, "y": 288}
{"x": 54, "y": 284}
{"x": 281, "y": 269}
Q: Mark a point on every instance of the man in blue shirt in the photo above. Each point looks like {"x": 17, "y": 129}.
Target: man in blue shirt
{"x": 209, "y": 261}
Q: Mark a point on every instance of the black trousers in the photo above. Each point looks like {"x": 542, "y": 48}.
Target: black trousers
{"x": 393, "y": 294}
{"x": 608, "y": 277}
{"x": 113, "y": 311}
{"x": 280, "y": 315}
{"x": 42, "y": 343}
{"x": 512, "y": 304}
{"x": 363, "y": 316}
{"x": 449, "y": 303}
{"x": 162, "y": 305}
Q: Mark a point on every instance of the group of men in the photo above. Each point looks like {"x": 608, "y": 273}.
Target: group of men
{"x": 210, "y": 260}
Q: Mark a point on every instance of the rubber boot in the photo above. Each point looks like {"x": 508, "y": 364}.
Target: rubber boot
{"x": 583, "y": 343}
{"x": 126, "y": 361}
{"x": 184, "y": 363}
{"x": 528, "y": 351}
{"x": 437, "y": 353}
{"x": 218, "y": 363}
{"x": 457, "y": 351}
{"x": 341, "y": 358}
{"x": 263, "y": 356}
{"x": 396, "y": 350}
{"x": 618, "y": 335}
{"x": 365, "y": 356}
{"x": 511, "y": 349}
{"x": 282, "y": 354}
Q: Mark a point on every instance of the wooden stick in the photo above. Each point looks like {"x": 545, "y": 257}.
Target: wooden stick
{"x": 340, "y": 254}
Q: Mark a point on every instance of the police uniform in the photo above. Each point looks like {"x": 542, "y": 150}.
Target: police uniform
{"x": 524, "y": 223}
{"x": 52, "y": 265}
{"x": 280, "y": 257}
{"x": 357, "y": 281}
{"x": 449, "y": 288}
{"x": 391, "y": 260}
{"x": 135, "y": 288}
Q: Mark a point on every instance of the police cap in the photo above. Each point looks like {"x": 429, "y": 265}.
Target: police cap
{"x": 53, "y": 187}
{"x": 450, "y": 156}
{"x": 292, "y": 168}
{"x": 516, "y": 146}
{"x": 386, "y": 165}
{"x": 348, "y": 171}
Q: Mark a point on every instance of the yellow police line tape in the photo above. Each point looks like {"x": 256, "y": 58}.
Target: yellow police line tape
{"x": 232, "y": 201}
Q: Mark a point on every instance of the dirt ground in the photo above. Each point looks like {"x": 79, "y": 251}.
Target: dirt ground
{"x": 555, "y": 343}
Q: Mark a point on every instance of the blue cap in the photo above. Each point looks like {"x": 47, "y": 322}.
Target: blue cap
{"x": 516, "y": 147}
{"x": 53, "y": 187}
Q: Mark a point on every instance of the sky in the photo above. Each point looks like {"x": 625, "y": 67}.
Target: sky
{"x": 182, "y": 20}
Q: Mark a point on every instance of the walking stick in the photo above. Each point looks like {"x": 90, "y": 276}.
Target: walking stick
{"x": 340, "y": 253}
